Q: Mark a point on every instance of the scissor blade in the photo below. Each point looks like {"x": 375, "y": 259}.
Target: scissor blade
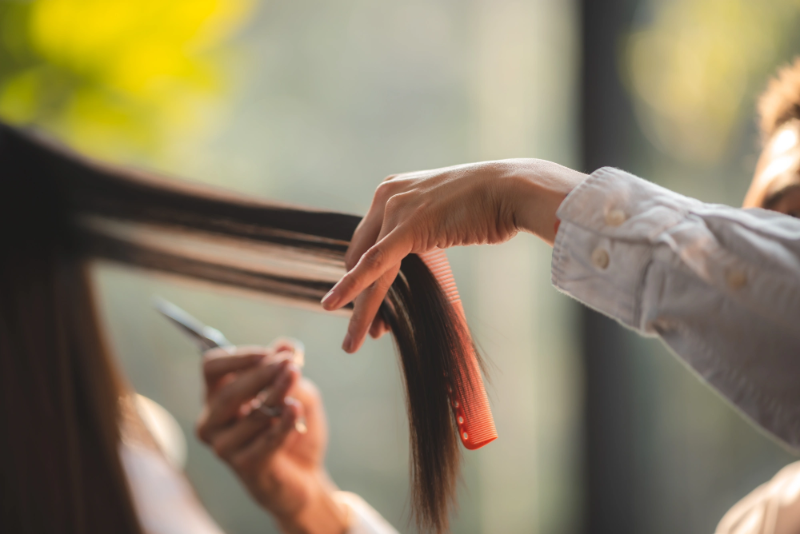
{"x": 204, "y": 336}
{"x": 208, "y": 338}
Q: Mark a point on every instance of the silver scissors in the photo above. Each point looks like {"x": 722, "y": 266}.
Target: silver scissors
{"x": 207, "y": 338}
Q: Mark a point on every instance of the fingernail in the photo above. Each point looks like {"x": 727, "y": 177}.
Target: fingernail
{"x": 329, "y": 300}
{"x": 347, "y": 343}
{"x": 284, "y": 355}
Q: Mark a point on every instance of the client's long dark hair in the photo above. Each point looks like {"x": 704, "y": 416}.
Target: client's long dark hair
{"x": 59, "y": 471}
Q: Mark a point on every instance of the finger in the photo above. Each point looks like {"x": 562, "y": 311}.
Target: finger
{"x": 365, "y": 236}
{"x": 308, "y": 396}
{"x": 378, "y": 328}
{"x": 269, "y": 441}
{"x": 239, "y": 350}
{"x": 283, "y": 344}
{"x": 277, "y": 392}
{"x": 221, "y": 361}
{"x": 369, "y": 228}
{"x": 225, "y": 404}
{"x": 385, "y": 255}
{"x": 365, "y": 309}
{"x": 272, "y": 395}
{"x": 227, "y": 442}
{"x": 295, "y": 346}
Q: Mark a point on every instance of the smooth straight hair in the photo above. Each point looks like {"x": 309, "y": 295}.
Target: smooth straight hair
{"x": 60, "y": 410}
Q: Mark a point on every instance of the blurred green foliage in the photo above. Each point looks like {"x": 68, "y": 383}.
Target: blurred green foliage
{"x": 116, "y": 78}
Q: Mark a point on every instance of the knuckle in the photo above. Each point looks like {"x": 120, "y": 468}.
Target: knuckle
{"x": 394, "y": 204}
{"x": 374, "y": 258}
{"x": 385, "y": 190}
{"x": 240, "y": 463}
{"x": 404, "y": 207}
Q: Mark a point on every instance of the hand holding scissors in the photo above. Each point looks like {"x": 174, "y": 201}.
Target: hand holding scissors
{"x": 210, "y": 339}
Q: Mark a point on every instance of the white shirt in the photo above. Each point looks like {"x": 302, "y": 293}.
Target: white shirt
{"x": 163, "y": 498}
{"x": 719, "y": 285}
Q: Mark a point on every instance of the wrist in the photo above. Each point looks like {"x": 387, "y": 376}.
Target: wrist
{"x": 536, "y": 193}
{"x": 322, "y": 513}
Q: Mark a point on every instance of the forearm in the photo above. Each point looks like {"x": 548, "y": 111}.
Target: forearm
{"x": 321, "y": 514}
{"x": 535, "y": 191}
{"x": 721, "y": 286}
{"x": 340, "y": 512}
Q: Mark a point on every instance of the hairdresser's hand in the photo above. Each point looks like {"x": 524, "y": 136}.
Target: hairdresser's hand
{"x": 480, "y": 203}
{"x": 281, "y": 468}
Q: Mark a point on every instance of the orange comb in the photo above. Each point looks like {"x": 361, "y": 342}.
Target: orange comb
{"x": 472, "y": 412}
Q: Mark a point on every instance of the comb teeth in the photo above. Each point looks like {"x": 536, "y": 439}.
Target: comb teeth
{"x": 471, "y": 408}
{"x": 436, "y": 261}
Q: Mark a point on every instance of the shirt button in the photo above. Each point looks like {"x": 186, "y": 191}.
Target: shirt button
{"x": 615, "y": 217}
{"x": 600, "y": 258}
{"x": 736, "y": 279}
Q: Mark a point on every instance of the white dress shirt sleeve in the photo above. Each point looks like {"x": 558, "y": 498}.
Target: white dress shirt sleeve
{"x": 363, "y": 518}
{"x": 162, "y": 496}
{"x": 719, "y": 285}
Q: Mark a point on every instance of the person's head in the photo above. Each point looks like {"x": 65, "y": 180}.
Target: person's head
{"x": 776, "y": 183}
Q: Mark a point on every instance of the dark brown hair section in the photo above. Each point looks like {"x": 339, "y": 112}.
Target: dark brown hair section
{"x": 59, "y": 390}
{"x": 59, "y": 190}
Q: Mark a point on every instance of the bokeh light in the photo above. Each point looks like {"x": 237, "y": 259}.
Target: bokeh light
{"x": 693, "y": 66}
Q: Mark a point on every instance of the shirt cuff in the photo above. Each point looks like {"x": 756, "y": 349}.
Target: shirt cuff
{"x": 363, "y": 518}
{"x": 604, "y": 244}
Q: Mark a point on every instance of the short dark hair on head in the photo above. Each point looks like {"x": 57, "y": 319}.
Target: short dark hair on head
{"x": 780, "y": 103}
